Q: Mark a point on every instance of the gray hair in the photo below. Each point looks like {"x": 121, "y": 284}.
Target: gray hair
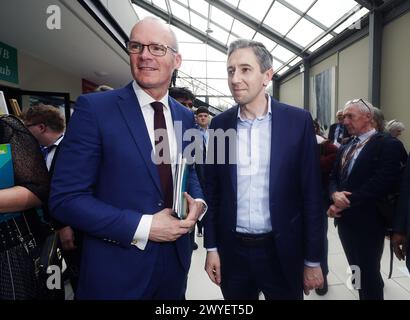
{"x": 378, "y": 119}
{"x": 364, "y": 106}
{"x": 394, "y": 124}
{"x": 262, "y": 54}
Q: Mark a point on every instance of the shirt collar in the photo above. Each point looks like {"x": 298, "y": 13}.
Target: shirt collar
{"x": 145, "y": 99}
{"x": 366, "y": 135}
{"x": 268, "y": 113}
{"x": 57, "y": 142}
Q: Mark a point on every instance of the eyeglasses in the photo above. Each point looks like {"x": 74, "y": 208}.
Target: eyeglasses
{"x": 158, "y": 50}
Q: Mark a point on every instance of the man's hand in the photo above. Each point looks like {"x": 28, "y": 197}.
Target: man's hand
{"x": 213, "y": 267}
{"x": 399, "y": 242}
{"x": 312, "y": 279}
{"x": 195, "y": 208}
{"x": 165, "y": 227}
{"x": 66, "y": 236}
{"x": 334, "y": 212}
{"x": 340, "y": 199}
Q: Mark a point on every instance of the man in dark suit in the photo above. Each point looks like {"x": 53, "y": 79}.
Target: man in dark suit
{"x": 366, "y": 169}
{"x": 401, "y": 224}
{"x": 264, "y": 226}
{"x": 337, "y": 131}
{"x": 47, "y": 125}
{"x": 113, "y": 179}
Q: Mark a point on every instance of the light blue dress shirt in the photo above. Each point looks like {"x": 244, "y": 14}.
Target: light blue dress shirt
{"x": 253, "y": 170}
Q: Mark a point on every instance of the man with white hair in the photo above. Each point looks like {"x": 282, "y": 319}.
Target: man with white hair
{"x": 366, "y": 169}
{"x": 337, "y": 131}
{"x": 395, "y": 128}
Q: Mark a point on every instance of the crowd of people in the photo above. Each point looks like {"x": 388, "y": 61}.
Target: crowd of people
{"x": 263, "y": 183}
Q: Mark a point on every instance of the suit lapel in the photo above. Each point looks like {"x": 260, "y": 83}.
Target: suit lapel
{"x": 233, "y": 168}
{"x": 275, "y": 146}
{"x": 133, "y": 117}
{"x": 363, "y": 153}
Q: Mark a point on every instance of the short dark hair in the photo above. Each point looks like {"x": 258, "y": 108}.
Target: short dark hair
{"x": 46, "y": 114}
{"x": 202, "y": 110}
{"x": 264, "y": 57}
{"x": 181, "y": 93}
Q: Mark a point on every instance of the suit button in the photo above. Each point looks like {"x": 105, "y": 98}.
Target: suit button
{"x": 160, "y": 203}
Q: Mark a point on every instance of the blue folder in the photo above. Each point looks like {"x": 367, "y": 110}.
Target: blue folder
{"x": 6, "y": 175}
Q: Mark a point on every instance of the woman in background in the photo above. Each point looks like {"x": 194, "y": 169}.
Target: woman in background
{"x": 20, "y": 226}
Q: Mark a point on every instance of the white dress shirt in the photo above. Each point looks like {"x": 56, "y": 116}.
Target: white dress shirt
{"x": 142, "y": 233}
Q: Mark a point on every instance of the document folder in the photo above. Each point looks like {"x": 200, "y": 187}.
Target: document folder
{"x": 180, "y": 204}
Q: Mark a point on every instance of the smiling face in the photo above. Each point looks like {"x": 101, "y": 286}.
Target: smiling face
{"x": 246, "y": 81}
{"x": 152, "y": 73}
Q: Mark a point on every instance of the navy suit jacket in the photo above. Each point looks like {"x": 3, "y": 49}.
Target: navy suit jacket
{"x": 295, "y": 199}
{"x": 104, "y": 181}
{"x": 375, "y": 173}
{"x": 401, "y": 219}
{"x": 332, "y": 130}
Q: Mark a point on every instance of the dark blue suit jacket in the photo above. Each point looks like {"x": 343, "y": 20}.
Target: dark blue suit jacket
{"x": 375, "y": 173}
{"x": 294, "y": 187}
{"x": 104, "y": 181}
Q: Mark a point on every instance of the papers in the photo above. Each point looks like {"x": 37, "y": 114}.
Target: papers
{"x": 3, "y": 105}
{"x": 6, "y": 167}
{"x": 180, "y": 204}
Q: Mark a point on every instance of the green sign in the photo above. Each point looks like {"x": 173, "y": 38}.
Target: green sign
{"x": 8, "y": 64}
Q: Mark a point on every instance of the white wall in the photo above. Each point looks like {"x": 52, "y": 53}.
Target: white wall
{"x": 37, "y": 75}
{"x": 291, "y": 92}
{"x": 354, "y": 72}
{"x": 395, "y": 73}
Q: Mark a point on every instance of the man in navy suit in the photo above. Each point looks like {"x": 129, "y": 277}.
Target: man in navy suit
{"x": 337, "y": 131}
{"x": 264, "y": 225}
{"x": 107, "y": 184}
{"x": 366, "y": 169}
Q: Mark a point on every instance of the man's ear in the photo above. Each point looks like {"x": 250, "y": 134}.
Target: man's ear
{"x": 268, "y": 77}
{"x": 178, "y": 60}
{"x": 42, "y": 127}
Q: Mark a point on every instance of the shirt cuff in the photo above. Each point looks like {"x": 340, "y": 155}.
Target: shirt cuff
{"x": 141, "y": 236}
{"x": 311, "y": 264}
{"x": 212, "y": 249}
{"x": 205, "y": 208}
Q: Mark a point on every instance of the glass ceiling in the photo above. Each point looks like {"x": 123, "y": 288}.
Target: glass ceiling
{"x": 290, "y": 29}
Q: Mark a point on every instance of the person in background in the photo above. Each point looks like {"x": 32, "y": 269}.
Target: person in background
{"x": 338, "y": 134}
{"x": 183, "y": 95}
{"x": 264, "y": 227}
{"x": 18, "y": 217}
{"x": 401, "y": 225}
{"x": 113, "y": 178}
{"x": 47, "y": 125}
{"x": 366, "y": 169}
{"x": 103, "y": 87}
{"x": 395, "y": 128}
{"x": 202, "y": 120}
{"x": 327, "y": 151}
{"x": 378, "y": 120}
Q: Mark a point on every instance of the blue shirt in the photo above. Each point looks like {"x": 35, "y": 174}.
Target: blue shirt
{"x": 253, "y": 170}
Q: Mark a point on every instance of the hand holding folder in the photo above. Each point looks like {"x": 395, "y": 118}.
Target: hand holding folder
{"x": 180, "y": 203}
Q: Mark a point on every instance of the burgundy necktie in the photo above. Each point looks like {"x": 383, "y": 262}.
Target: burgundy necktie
{"x": 163, "y": 152}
